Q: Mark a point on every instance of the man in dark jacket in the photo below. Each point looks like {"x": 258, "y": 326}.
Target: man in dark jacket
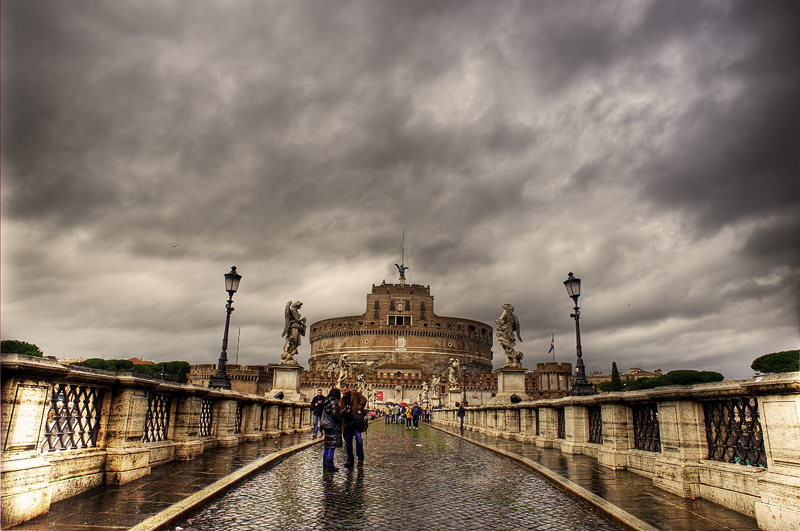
{"x": 416, "y": 411}
{"x": 352, "y": 405}
{"x": 333, "y": 432}
{"x": 317, "y": 403}
{"x": 461, "y": 413}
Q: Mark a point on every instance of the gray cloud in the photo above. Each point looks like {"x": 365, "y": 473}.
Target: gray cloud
{"x": 651, "y": 147}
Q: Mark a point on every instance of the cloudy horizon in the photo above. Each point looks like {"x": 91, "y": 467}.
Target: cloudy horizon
{"x": 650, "y": 147}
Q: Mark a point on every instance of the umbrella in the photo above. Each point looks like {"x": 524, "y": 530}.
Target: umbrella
{"x": 403, "y": 404}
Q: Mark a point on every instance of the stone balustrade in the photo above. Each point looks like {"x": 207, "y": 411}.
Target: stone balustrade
{"x": 735, "y": 443}
{"x": 67, "y": 429}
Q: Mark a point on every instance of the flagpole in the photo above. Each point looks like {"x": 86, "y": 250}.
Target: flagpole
{"x": 553, "y": 346}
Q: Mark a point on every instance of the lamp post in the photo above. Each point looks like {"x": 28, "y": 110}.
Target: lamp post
{"x": 464, "y": 384}
{"x": 480, "y": 389}
{"x": 581, "y": 386}
{"x": 221, "y": 379}
{"x": 334, "y": 366}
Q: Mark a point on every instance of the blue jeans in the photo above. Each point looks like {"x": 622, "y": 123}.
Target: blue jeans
{"x": 462, "y": 423}
{"x": 350, "y": 433}
{"x": 327, "y": 458}
{"x": 316, "y": 422}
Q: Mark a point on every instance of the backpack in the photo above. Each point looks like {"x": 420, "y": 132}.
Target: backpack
{"x": 326, "y": 422}
{"x": 360, "y": 422}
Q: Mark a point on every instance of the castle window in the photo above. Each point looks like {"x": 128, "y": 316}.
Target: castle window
{"x": 401, "y": 320}
{"x": 408, "y": 306}
{"x": 471, "y": 328}
{"x": 391, "y": 306}
{"x": 422, "y": 306}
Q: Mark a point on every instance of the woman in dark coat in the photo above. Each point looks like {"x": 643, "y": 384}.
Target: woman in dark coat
{"x": 333, "y": 436}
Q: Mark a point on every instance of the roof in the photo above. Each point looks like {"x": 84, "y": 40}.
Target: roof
{"x": 137, "y": 361}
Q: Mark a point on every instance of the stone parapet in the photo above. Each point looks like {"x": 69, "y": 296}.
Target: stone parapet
{"x": 66, "y": 430}
{"x": 732, "y": 442}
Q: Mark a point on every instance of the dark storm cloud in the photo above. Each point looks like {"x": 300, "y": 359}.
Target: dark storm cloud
{"x": 649, "y": 146}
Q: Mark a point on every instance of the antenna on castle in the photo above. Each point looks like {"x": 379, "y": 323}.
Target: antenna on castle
{"x": 401, "y": 267}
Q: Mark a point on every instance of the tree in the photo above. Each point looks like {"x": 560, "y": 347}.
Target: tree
{"x": 680, "y": 377}
{"x": 786, "y": 361}
{"x": 12, "y": 346}
{"x": 616, "y": 383}
{"x": 174, "y": 371}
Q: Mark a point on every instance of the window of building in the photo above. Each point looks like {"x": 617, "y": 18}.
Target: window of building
{"x": 402, "y": 320}
{"x": 391, "y": 306}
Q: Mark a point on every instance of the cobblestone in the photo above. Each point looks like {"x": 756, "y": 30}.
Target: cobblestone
{"x": 412, "y": 479}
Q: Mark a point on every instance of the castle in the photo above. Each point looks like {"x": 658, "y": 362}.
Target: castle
{"x": 398, "y": 346}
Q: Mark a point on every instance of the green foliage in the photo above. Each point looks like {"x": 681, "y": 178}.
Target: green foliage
{"x": 786, "y": 361}
{"x": 174, "y": 371}
{"x": 680, "y": 377}
{"x": 616, "y": 383}
{"x": 12, "y": 346}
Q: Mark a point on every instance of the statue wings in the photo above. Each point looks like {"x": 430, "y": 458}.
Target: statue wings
{"x": 515, "y": 326}
{"x": 287, "y": 315}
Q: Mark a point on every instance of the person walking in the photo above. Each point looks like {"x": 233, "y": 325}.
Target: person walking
{"x": 317, "y": 404}
{"x": 331, "y": 429}
{"x": 461, "y": 413}
{"x": 396, "y": 413}
{"x": 407, "y": 416}
{"x": 387, "y": 414}
{"x": 416, "y": 411}
{"x": 352, "y": 406}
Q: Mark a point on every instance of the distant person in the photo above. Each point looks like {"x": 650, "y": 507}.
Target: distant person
{"x": 387, "y": 414}
{"x": 416, "y": 411}
{"x": 331, "y": 429}
{"x": 317, "y": 404}
{"x": 407, "y": 416}
{"x": 396, "y": 411}
{"x": 352, "y": 406}
{"x": 461, "y": 413}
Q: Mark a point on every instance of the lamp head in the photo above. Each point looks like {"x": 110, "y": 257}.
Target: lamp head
{"x": 573, "y": 286}
{"x": 232, "y": 279}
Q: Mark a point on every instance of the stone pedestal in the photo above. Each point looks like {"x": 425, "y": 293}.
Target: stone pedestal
{"x": 455, "y": 396}
{"x": 286, "y": 378}
{"x": 509, "y": 382}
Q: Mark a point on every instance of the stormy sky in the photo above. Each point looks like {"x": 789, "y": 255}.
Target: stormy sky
{"x": 651, "y": 147}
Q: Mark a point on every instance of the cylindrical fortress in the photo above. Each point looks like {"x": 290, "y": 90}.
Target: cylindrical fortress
{"x": 400, "y": 326}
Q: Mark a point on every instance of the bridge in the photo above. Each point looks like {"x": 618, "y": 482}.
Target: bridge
{"x": 86, "y": 449}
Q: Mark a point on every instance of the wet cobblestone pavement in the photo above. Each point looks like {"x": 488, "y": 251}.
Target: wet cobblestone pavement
{"x": 411, "y": 479}
{"x": 124, "y": 506}
{"x": 628, "y": 491}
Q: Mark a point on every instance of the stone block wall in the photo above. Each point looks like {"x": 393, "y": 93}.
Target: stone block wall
{"x": 66, "y": 430}
{"x": 733, "y": 442}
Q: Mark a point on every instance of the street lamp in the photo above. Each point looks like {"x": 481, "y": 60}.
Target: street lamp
{"x": 464, "y": 384}
{"x": 581, "y": 386}
{"x": 480, "y": 389}
{"x": 221, "y": 379}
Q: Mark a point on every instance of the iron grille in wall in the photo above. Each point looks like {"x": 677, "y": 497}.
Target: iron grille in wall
{"x": 156, "y": 421}
{"x": 536, "y": 414}
{"x": 596, "y": 424}
{"x": 237, "y": 425}
{"x": 206, "y": 417}
{"x": 733, "y": 431}
{"x": 261, "y": 417}
{"x": 562, "y": 423}
{"x": 73, "y": 418}
{"x": 646, "y": 435}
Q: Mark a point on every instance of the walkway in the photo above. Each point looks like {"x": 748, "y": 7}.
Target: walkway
{"x": 627, "y": 491}
{"x": 412, "y": 479}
